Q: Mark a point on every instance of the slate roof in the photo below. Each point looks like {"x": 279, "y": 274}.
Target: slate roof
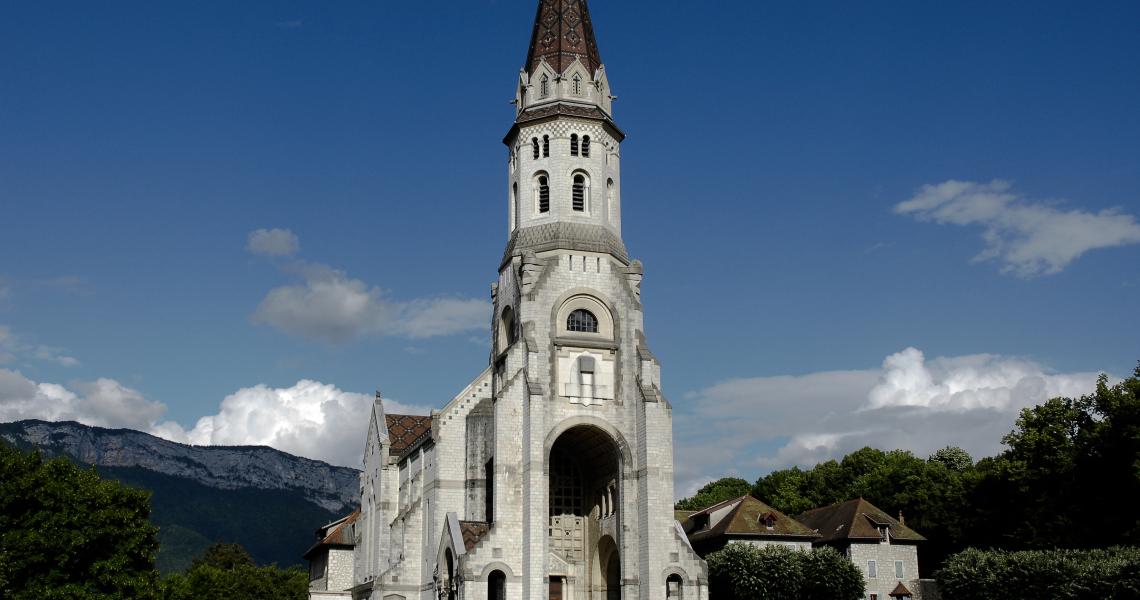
{"x": 586, "y": 237}
{"x": 748, "y": 518}
{"x": 855, "y": 520}
{"x": 563, "y": 32}
{"x": 337, "y": 534}
{"x": 405, "y": 430}
{"x": 473, "y": 531}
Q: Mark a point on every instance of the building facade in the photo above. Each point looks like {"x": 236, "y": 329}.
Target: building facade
{"x": 551, "y": 474}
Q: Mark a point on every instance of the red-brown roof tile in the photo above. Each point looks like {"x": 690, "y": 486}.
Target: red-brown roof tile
{"x": 473, "y": 531}
{"x": 562, "y": 33}
{"x": 405, "y": 430}
{"x": 855, "y": 520}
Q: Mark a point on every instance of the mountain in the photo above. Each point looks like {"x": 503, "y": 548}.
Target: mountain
{"x": 267, "y": 500}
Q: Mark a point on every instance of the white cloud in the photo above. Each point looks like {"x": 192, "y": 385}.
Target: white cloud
{"x": 330, "y": 306}
{"x": 103, "y": 403}
{"x": 273, "y": 242}
{"x": 13, "y": 349}
{"x": 1027, "y": 238}
{"x": 310, "y": 419}
{"x": 750, "y": 426}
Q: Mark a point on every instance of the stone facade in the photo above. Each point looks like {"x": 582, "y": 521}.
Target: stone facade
{"x": 551, "y": 474}
{"x": 893, "y": 563}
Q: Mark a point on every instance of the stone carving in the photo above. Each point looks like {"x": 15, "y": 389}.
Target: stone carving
{"x": 634, "y": 273}
{"x": 530, "y": 271}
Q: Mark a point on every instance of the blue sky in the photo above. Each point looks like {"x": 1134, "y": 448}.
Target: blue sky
{"x": 785, "y": 182}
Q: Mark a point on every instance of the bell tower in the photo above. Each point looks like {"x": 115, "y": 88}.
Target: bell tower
{"x": 583, "y": 450}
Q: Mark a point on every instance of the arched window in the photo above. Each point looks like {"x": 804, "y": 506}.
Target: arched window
{"x": 534, "y": 144}
{"x": 674, "y": 587}
{"x": 573, "y": 144}
{"x": 543, "y": 185}
{"x": 545, "y": 85}
{"x": 610, "y": 198}
{"x": 586, "y": 146}
{"x": 579, "y": 195}
{"x": 497, "y": 586}
{"x": 514, "y": 216}
{"x": 577, "y": 84}
{"x": 545, "y": 146}
{"x": 582, "y": 321}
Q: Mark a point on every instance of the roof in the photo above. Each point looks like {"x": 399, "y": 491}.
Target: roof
{"x": 473, "y": 531}
{"x": 405, "y": 430}
{"x": 562, "y": 33}
{"x": 587, "y": 237}
{"x": 748, "y": 517}
{"x": 339, "y": 533}
{"x": 900, "y": 591}
{"x": 855, "y": 520}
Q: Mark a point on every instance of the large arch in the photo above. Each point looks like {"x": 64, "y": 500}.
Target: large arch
{"x": 586, "y": 462}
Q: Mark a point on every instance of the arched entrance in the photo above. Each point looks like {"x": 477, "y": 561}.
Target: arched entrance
{"x": 584, "y": 500}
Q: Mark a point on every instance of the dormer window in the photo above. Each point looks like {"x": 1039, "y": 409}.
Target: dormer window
{"x": 768, "y": 521}
{"x": 884, "y": 533}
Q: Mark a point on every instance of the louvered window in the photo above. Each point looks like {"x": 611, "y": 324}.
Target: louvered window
{"x": 534, "y": 144}
{"x": 582, "y": 321}
{"x": 543, "y": 194}
{"x": 545, "y": 146}
{"x": 579, "y": 193}
{"x": 586, "y": 146}
{"x": 573, "y": 144}
{"x": 545, "y": 86}
{"x": 577, "y": 85}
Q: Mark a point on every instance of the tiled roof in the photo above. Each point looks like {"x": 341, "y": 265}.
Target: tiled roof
{"x": 337, "y": 533}
{"x": 566, "y": 236}
{"x": 748, "y": 518}
{"x": 561, "y": 108}
{"x": 855, "y": 520}
{"x": 473, "y": 531}
{"x": 563, "y": 32}
{"x": 405, "y": 430}
{"x": 900, "y": 591}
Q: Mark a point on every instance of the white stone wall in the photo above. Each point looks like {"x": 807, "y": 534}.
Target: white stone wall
{"x": 885, "y": 556}
{"x": 340, "y": 569}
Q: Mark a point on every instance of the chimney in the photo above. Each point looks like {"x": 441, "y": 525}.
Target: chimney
{"x": 902, "y": 521}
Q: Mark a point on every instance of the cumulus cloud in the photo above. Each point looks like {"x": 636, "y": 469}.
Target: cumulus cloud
{"x": 1027, "y": 238}
{"x": 330, "y": 306}
{"x": 13, "y": 349}
{"x": 273, "y": 242}
{"x": 102, "y": 403}
{"x": 758, "y": 424}
{"x": 310, "y": 419}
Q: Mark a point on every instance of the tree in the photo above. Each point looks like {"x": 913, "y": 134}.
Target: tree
{"x": 226, "y": 572}
{"x": 716, "y": 492}
{"x": 745, "y": 572}
{"x": 953, "y": 458}
{"x": 66, "y": 533}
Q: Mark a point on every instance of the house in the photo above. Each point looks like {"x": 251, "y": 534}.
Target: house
{"x": 744, "y": 520}
{"x": 331, "y": 560}
{"x": 883, "y": 548}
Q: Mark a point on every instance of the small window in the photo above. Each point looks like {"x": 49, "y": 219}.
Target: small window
{"x": 543, "y": 194}
{"x": 577, "y": 85}
{"x": 534, "y": 143}
{"x": 579, "y": 193}
{"x": 545, "y": 146}
{"x": 872, "y": 569}
{"x": 573, "y": 144}
{"x": 582, "y": 321}
{"x": 586, "y": 146}
{"x": 545, "y": 85}
{"x": 899, "y": 569}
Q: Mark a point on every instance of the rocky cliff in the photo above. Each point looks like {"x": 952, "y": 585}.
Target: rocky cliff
{"x": 335, "y": 489}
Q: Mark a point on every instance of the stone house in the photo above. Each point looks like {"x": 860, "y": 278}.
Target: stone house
{"x": 883, "y": 548}
{"x": 331, "y": 560}
{"x": 744, "y": 520}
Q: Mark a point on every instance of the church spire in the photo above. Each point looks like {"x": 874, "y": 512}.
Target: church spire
{"x": 563, "y": 32}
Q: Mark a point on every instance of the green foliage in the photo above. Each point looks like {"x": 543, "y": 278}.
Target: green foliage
{"x": 1029, "y": 575}
{"x": 65, "y": 533}
{"x": 716, "y": 492}
{"x": 745, "y": 572}
{"x": 226, "y": 572}
{"x": 953, "y": 458}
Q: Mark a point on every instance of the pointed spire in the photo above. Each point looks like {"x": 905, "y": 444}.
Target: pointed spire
{"x": 563, "y": 32}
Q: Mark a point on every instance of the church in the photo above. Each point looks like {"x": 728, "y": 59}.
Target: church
{"x": 551, "y": 474}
